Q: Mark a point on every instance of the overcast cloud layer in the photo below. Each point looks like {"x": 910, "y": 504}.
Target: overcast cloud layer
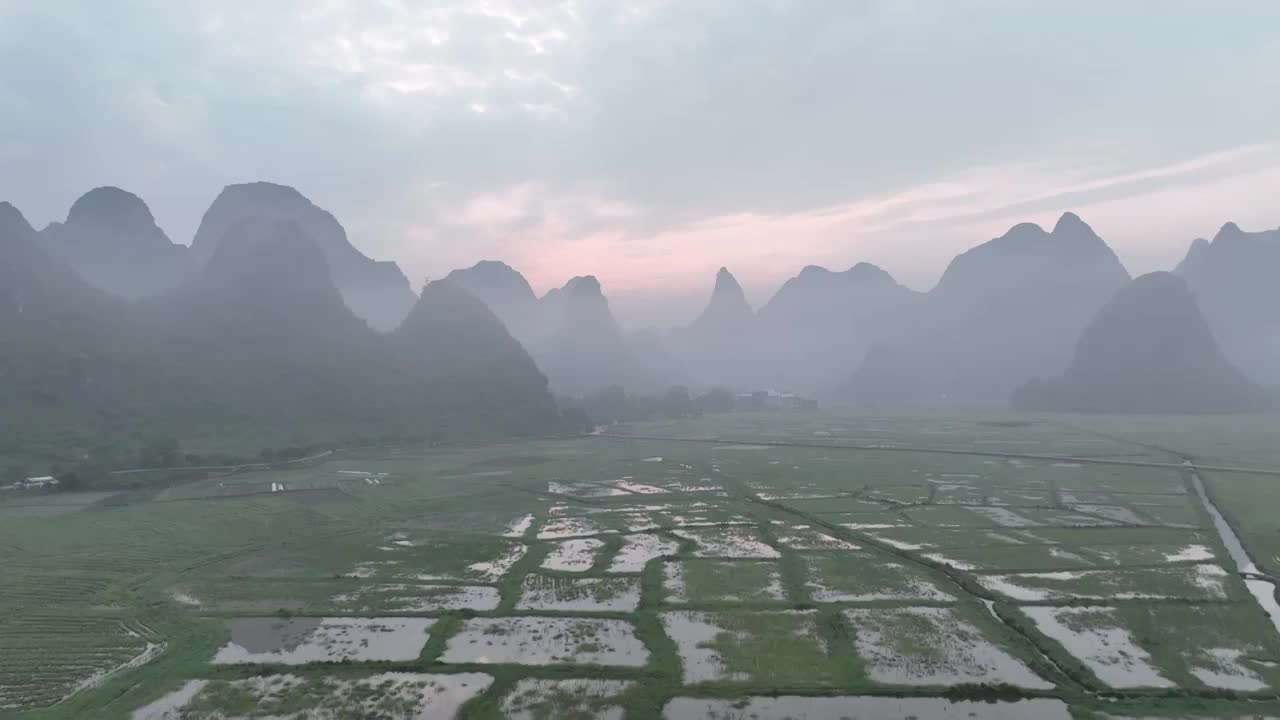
{"x": 651, "y": 142}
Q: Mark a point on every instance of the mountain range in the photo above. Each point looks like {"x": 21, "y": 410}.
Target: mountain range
{"x": 272, "y": 307}
{"x": 256, "y": 334}
{"x": 571, "y": 331}
{"x": 803, "y": 351}
{"x": 1003, "y": 312}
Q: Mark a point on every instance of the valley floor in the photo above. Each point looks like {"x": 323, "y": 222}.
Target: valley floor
{"x": 754, "y": 565}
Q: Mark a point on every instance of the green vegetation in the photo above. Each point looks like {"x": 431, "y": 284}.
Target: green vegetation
{"x": 126, "y": 594}
{"x": 735, "y": 581}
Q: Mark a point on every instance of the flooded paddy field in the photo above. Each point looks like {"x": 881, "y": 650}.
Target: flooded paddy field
{"x": 637, "y": 551}
{"x": 728, "y": 541}
{"x": 750, "y": 566}
{"x": 843, "y": 577}
{"x": 546, "y": 641}
{"x": 1134, "y": 645}
{"x": 880, "y": 708}
{"x": 418, "y": 598}
{"x": 410, "y": 696}
{"x": 935, "y": 646}
{"x": 701, "y": 580}
{"x": 785, "y": 647}
{"x": 1198, "y": 581}
{"x": 299, "y": 641}
{"x": 606, "y": 594}
{"x": 539, "y": 699}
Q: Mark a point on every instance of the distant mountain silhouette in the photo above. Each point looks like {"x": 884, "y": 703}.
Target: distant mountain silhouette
{"x": 727, "y": 313}
{"x": 506, "y": 292}
{"x": 30, "y": 279}
{"x": 459, "y": 351}
{"x": 583, "y": 347}
{"x": 720, "y": 346}
{"x": 259, "y": 339}
{"x": 267, "y": 290}
{"x": 1236, "y": 279}
{"x": 72, "y": 355}
{"x": 571, "y": 332}
{"x": 375, "y": 290}
{"x": 264, "y": 326}
{"x": 1003, "y": 312}
{"x": 1148, "y": 350}
{"x": 112, "y": 240}
{"x": 656, "y": 367}
{"x": 821, "y": 323}
{"x": 276, "y": 271}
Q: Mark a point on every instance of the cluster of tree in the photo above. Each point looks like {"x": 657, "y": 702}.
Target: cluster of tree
{"x": 613, "y": 404}
{"x": 159, "y": 460}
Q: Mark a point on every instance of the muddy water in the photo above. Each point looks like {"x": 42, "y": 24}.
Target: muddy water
{"x": 879, "y": 708}
{"x": 546, "y": 641}
{"x": 537, "y": 699}
{"x": 1095, "y": 636}
{"x": 695, "y": 634}
{"x": 1264, "y": 591}
{"x": 638, "y": 550}
{"x": 416, "y": 696}
{"x": 932, "y": 646}
{"x": 305, "y": 640}
{"x": 577, "y": 555}
{"x": 729, "y": 542}
{"x": 615, "y": 594}
{"x": 170, "y": 706}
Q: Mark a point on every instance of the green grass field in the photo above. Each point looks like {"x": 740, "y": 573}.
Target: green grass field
{"x": 739, "y": 556}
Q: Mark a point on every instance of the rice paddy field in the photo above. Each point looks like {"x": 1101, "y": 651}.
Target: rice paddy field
{"x": 746, "y": 566}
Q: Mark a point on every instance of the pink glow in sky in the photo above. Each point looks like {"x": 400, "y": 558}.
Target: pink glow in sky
{"x": 1149, "y": 215}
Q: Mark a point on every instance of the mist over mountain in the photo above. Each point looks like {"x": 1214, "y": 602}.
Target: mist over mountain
{"x": 582, "y": 348}
{"x": 727, "y": 313}
{"x": 260, "y": 336}
{"x": 1236, "y": 279}
{"x": 571, "y": 332}
{"x": 31, "y": 282}
{"x": 821, "y": 323}
{"x": 375, "y": 290}
{"x": 453, "y": 346}
{"x": 264, "y": 324}
{"x": 1003, "y": 312}
{"x": 720, "y": 346}
{"x": 111, "y": 239}
{"x": 507, "y": 293}
{"x": 273, "y": 315}
{"x": 657, "y": 367}
{"x": 267, "y": 291}
{"x": 72, "y": 355}
{"x": 1149, "y": 350}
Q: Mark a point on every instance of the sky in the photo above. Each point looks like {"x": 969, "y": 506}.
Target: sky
{"x": 649, "y": 142}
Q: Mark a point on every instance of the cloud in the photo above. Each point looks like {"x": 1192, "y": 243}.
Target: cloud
{"x": 646, "y": 138}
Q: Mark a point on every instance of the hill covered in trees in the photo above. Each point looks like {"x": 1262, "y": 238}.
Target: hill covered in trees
{"x": 1149, "y": 350}
{"x": 258, "y": 341}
